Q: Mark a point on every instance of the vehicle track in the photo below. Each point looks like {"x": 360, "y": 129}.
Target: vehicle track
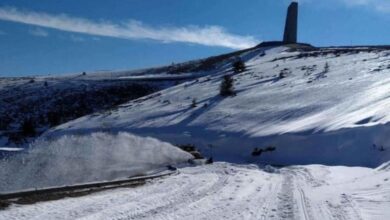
{"x": 303, "y": 204}
{"x": 218, "y": 191}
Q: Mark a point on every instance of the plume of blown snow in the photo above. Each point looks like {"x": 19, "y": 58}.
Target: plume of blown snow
{"x": 79, "y": 159}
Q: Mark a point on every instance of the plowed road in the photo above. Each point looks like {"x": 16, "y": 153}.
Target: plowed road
{"x": 228, "y": 191}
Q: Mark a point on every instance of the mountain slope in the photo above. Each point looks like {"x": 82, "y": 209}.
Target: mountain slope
{"x": 331, "y": 107}
{"x": 46, "y": 101}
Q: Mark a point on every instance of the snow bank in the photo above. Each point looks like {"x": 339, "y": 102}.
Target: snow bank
{"x": 78, "y": 159}
{"x": 384, "y": 167}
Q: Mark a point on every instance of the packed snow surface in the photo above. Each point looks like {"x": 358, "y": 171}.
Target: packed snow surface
{"x": 80, "y": 159}
{"x": 227, "y": 191}
{"x": 331, "y": 106}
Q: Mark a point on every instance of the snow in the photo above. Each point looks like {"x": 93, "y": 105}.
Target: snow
{"x": 80, "y": 159}
{"x": 228, "y": 191}
{"x": 328, "y": 119}
{"x": 44, "y": 98}
{"x": 335, "y": 116}
{"x": 163, "y": 76}
{"x": 10, "y": 149}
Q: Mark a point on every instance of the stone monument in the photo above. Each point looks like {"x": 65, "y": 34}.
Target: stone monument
{"x": 291, "y": 28}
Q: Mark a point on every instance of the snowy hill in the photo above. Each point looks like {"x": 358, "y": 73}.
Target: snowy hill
{"x": 44, "y": 101}
{"x": 293, "y": 105}
{"x": 330, "y": 108}
{"x": 41, "y": 102}
{"x": 30, "y": 106}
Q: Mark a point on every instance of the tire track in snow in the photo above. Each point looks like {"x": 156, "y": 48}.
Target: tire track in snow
{"x": 350, "y": 207}
{"x": 184, "y": 198}
{"x": 286, "y": 201}
{"x": 218, "y": 191}
{"x": 238, "y": 199}
{"x": 301, "y": 178}
{"x": 269, "y": 197}
{"x": 170, "y": 204}
{"x": 344, "y": 211}
{"x": 303, "y": 204}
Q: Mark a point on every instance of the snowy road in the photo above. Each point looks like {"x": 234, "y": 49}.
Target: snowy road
{"x": 226, "y": 191}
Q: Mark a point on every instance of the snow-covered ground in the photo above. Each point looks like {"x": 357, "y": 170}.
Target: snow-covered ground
{"x": 227, "y": 191}
{"x": 330, "y": 108}
{"x": 89, "y": 158}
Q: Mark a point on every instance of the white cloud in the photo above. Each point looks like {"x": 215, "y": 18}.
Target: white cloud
{"x": 379, "y": 5}
{"x": 209, "y": 35}
{"x": 39, "y": 32}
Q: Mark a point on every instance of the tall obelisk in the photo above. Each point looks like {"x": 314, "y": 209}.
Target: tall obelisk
{"x": 291, "y": 28}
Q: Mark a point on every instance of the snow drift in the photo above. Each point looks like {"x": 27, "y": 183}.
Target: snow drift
{"x": 79, "y": 159}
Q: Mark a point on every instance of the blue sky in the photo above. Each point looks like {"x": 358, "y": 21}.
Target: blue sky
{"x": 70, "y": 36}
